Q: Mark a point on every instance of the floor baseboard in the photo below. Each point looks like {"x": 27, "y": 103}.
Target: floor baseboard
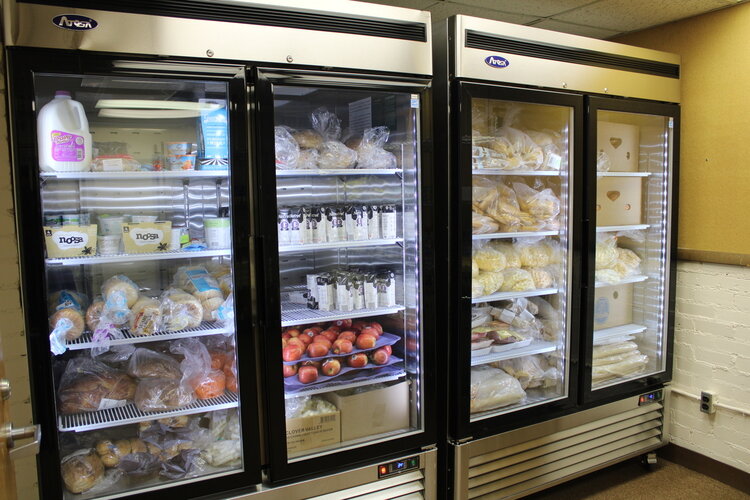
{"x": 727, "y": 474}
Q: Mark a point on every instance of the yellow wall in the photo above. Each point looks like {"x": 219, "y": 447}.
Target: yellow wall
{"x": 715, "y": 146}
{"x": 12, "y": 327}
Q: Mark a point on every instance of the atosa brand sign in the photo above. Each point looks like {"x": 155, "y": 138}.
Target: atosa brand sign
{"x": 74, "y": 22}
{"x": 496, "y": 62}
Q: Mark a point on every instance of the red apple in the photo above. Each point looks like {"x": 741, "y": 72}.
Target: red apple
{"x": 319, "y": 339}
{"x": 289, "y": 370}
{"x": 317, "y": 329}
{"x": 309, "y": 332}
{"x": 348, "y": 334}
{"x": 305, "y": 339}
{"x": 366, "y": 341}
{"x": 358, "y": 325}
{"x": 283, "y": 343}
{"x": 307, "y": 374}
{"x": 379, "y": 356}
{"x": 291, "y": 353}
{"x": 377, "y": 326}
{"x": 331, "y": 367}
{"x": 334, "y": 328}
{"x": 388, "y": 349}
{"x": 285, "y": 336}
{"x": 357, "y": 360}
{"x": 293, "y": 332}
{"x": 371, "y": 331}
{"x": 343, "y": 323}
{"x": 316, "y": 350}
{"x": 342, "y": 346}
{"x": 331, "y": 335}
{"x": 294, "y": 341}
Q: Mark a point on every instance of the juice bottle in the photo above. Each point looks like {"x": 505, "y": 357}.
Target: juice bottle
{"x": 63, "y": 135}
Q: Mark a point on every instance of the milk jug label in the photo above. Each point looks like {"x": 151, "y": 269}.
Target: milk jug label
{"x": 67, "y": 147}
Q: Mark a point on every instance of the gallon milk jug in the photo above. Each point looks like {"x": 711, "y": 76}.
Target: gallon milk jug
{"x": 63, "y": 135}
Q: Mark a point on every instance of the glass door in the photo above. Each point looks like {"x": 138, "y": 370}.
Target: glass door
{"x": 138, "y": 281}
{"x": 632, "y": 168}
{"x": 348, "y": 358}
{"x": 516, "y": 249}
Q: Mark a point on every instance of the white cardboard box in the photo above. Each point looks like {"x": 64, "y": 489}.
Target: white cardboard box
{"x": 613, "y": 306}
{"x": 618, "y": 201}
{"x": 621, "y": 144}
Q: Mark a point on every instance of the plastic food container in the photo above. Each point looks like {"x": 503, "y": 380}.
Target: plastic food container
{"x": 109, "y": 244}
{"x": 178, "y": 148}
{"x": 144, "y": 218}
{"x": 110, "y": 225}
{"x": 217, "y": 232}
{"x": 181, "y": 162}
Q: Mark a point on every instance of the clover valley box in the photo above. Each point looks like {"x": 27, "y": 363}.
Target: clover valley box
{"x": 613, "y": 306}
{"x": 303, "y": 433}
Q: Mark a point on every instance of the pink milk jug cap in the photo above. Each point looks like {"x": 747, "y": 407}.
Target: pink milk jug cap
{"x": 62, "y": 93}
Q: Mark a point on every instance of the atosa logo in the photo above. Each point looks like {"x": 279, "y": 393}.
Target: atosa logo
{"x": 74, "y": 22}
{"x": 497, "y": 62}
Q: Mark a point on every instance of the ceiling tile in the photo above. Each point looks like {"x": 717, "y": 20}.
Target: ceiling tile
{"x": 575, "y": 29}
{"x": 441, "y": 10}
{"x": 541, "y": 8}
{"x": 409, "y": 4}
{"x": 629, "y": 15}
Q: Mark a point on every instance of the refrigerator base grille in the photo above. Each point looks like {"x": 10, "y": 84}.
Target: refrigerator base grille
{"x": 517, "y": 463}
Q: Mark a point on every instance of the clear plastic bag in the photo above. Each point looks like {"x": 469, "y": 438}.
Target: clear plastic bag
{"x": 67, "y": 320}
{"x": 606, "y": 251}
{"x": 88, "y": 385}
{"x": 308, "y": 406}
{"x": 489, "y": 258}
{"x": 493, "y": 388}
{"x": 543, "y": 205}
{"x": 287, "y": 149}
{"x": 603, "y": 163}
{"x": 370, "y": 153}
{"x": 196, "y": 362}
{"x": 549, "y": 318}
{"x": 159, "y": 394}
{"x": 145, "y": 316}
{"x": 181, "y": 464}
{"x": 333, "y": 154}
{"x": 225, "y": 313}
{"x": 517, "y": 280}
{"x": 629, "y": 366}
{"x": 496, "y": 200}
{"x": 145, "y": 363}
{"x": 491, "y": 282}
{"x": 512, "y": 256}
{"x": 180, "y": 310}
{"x": 81, "y": 470}
{"x": 618, "y": 348}
{"x": 481, "y": 224}
{"x": 140, "y": 465}
{"x": 531, "y": 371}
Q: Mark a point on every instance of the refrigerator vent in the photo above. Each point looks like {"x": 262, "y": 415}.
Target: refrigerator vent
{"x": 516, "y": 471}
{"x": 247, "y": 14}
{"x": 403, "y": 486}
{"x": 484, "y": 41}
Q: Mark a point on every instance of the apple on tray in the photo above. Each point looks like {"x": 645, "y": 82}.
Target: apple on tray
{"x": 342, "y": 346}
{"x": 380, "y": 356}
{"x": 331, "y": 367}
{"x": 366, "y": 341}
{"x": 317, "y": 350}
{"x": 289, "y": 370}
{"x": 291, "y": 353}
{"x": 357, "y": 360}
{"x": 307, "y": 374}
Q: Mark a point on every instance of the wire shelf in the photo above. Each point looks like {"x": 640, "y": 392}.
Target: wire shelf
{"x": 521, "y": 234}
{"x": 161, "y": 174}
{"x": 85, "y": 341}
{"x": 514, "y": 295}
{"x": 137, "y": 257}
{"x": 299, "y": 314}
{"x": 537, "y": 347}
{"x": 337, "y": 172}
{"x": 339, "y": 244}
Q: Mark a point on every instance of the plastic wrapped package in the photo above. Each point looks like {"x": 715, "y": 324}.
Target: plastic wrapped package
{"x": 608, "y": 276}
{"x": 628, "y": 366}
{"x": 111, "y": 452}
{"x": 606, "y": 251}
{"x": 145, "y": 363}
{"x": 204, "y": 287}
{"x": 121, "y": 285}
{"x": 180, "y": 310}
{"x": 499, "y": 332}
{"x": 517, "y": 280}
{"x": 542, "y": 277}
{"x": 480, "y": 315}
{"x": 287, "y": 149}
{"x": 512, "y": 256}
{"x": 211, "y": 385}
{"x": 533, "y": 252}
{"x": 493, "y": 388}
{"x": 614, "y": 349}
{"x": 370, "y": 152}
{"x": 628, "y": 262}
{"x": 94, "y": 313}
{"x": 603, "y": 163}
{"x": 479, "y": 117}
{"x": 489, "y": 258}
{"x": 145, "y": 316}
{"x": 224, "y": 314}
{"x": 223, "y": 453}
{"x": 88, "y": 385}
{"x": 140, "y": 465}
{"x": 196, "y": 360}
{"x": 160, "y": 394}
{"x": 549, "y": 317}
{"x": 230, "y": 372}
{"x": 333, "y": 153}
{"x": 308, "y": 159}
{"x": 543, "y": 205}
{"x": 308, "y": 139}
{"x": 67, "y": 321}
{"x": 502, "y": 206}
{"x": 308, "y": 406}
{"x": 477, "y": 288}
{"x": 491, "y": 282}
{"x": 531, "y": 371}
{"x": 81, "y": 470}
{"x": 474, "y": 268}
{"x": 481, "y": 224}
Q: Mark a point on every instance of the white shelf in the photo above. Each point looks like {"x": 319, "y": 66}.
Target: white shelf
{"x": 514, "y": 295}
{"x": 85, "y": 341}
{"x": 339, "y": 244}
{"x": 630, "y": 279}
{"x": 631, "y": 227}
{"x": 161, "y": 174}
{"x": 536, "y": 347}
{"x": 522, "y": 234}
{"x": 623, "y": 174}
{"x": 333, "y": 385}
{"x": 129, "y": 414}
{"x": 336, "y": 172}
{"x": 617, "y": 331}
{"x": 299, "y": 314}
{"x": 137, "y": 257}
{"x": 497, "y": 171}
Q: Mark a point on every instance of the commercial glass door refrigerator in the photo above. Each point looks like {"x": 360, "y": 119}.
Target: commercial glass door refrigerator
{"x": 559, "y": 154}
{"x": 196, "y": 185}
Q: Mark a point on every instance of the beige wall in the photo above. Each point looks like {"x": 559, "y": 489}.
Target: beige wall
{"x": 11, "y": 315}
{"x": 712, "y": 331}
{"x": 715, "y": 175}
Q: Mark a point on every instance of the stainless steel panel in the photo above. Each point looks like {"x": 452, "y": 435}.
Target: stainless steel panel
{"x": 31, "y": 25}
{"x": 361, "y": 482}
{"x": 562, "y": 75}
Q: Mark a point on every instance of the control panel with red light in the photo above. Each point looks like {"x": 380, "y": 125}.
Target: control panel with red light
{"x": 398, "y": 466}
{"x": 651, "y": 397}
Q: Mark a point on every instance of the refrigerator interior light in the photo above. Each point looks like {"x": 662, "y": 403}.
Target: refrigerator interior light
{"x": 156, "y": 104}
{"x": 149, "y": 113}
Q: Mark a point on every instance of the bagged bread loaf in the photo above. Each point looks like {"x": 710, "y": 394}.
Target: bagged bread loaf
{"x": 145, "y": 318}
{"x": 88, "y": 385}
{"x": 370, "y": 152}
{"x": 333, "y": 154}
{"x": 145, "y": 363}
{"x": 180, "y": 310}
{"x": 308, "y": 139}
{"x": 287, "y": 149}
{"x": 530, "y": 371}
{"x": 159, "y": 394}
{"x": 110, "y": 453}
{"x": 308, "y": 159}
{"x": 493, "y": 388}
{"x": 123, "y": 285}
{"x": 203, "y": 286}
{"x": 81, "y": 470}
{"x": 94, "y": 313}
{"x": 66, "y": 321}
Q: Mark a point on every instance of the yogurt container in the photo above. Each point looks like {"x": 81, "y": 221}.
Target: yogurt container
{"x": 110, "y": 225}
{"x": 109, "y": 244}
{"x": 143, "y": 218}
{"x": 217, "y": 232}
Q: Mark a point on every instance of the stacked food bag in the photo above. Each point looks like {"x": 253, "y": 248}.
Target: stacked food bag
{"x": 511, "y": 205}
{"x": 614, "y": 263}
{"x": 617, "y": 358}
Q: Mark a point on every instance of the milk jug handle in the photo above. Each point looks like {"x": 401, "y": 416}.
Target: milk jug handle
{"x": 81, "y": 115}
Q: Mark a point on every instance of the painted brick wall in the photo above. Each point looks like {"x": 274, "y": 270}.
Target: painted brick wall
{"x": 712, "y": 352}
{"x": 12, "y": 327}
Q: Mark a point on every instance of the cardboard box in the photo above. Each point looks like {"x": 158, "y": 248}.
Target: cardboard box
{"x": 613, "y": 306}
{"x": 372, "y": 412}
{"x": 146, "y": 237}
{"x": 621, "y": 144}
{"x": 618, "y": 201}
{"x": 305, "y": 433}
{"x": 70, "y": 241}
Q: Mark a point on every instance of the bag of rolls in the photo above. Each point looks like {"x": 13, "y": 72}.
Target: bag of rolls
{"x": 197, "y": 281}
{"x": 66, "y": 321}
{"x": 180, "y": 310}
